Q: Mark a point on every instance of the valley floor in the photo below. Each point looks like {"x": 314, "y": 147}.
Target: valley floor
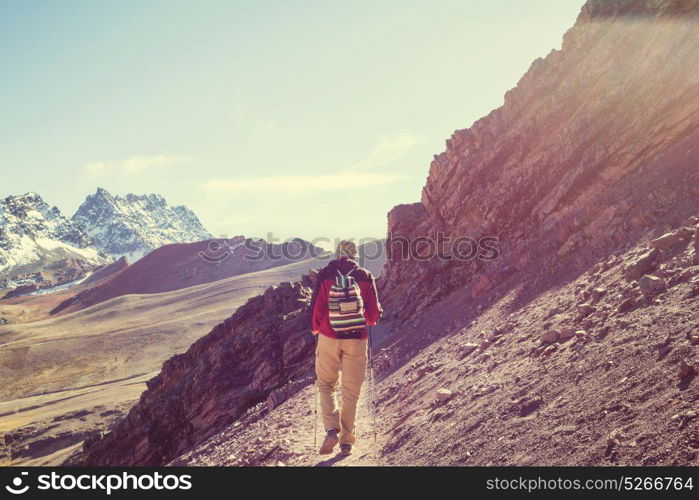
{"x": 67, "y": 377}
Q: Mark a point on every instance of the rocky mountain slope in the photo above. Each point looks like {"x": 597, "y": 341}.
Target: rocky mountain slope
{"x": 576, "y": 345}
{"x": 600, "y": 369}
{"x": 135, "y": 225}
{"x": 596, "y": 145}
{"x": 177, "y": 266}
{"x": 104, "y": 272}
{"x": 35, "y": 237}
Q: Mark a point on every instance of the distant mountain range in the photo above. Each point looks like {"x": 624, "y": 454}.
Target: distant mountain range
{"x": 35, "y": 238}
{"x": 135, "y": 225}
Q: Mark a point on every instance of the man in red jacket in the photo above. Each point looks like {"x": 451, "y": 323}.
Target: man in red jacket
{"x": 342, "y": 344}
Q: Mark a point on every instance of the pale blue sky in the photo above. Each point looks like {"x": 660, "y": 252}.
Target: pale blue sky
{"x": 303, "y": 118}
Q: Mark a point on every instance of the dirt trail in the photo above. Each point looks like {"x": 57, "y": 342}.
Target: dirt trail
{"x": 366, "y": 451}
{"x": 284, "y": 436}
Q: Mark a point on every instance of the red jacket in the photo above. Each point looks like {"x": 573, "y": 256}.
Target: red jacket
{"x": 319, "y": 305}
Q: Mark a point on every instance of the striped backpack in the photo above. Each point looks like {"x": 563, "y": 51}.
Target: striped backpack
{"x": 345, "y": 304}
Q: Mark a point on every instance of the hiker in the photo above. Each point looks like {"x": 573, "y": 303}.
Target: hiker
{"x": 344, "y": 304}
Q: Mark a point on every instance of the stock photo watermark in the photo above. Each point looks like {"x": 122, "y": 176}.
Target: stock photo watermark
{"x": 442, "y": 247}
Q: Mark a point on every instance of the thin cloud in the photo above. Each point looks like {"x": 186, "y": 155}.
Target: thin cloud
{"x": 135, "y": 164}
{"x": 295, "y": 184}
{"x": 387, "y": 151}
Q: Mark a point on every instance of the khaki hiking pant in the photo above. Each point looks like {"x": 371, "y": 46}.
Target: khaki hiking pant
{"x": 333, "y": 356}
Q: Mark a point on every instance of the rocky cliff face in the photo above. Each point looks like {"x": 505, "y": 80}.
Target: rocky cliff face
{"x": 258, "y": 350}
{"x": 134, "y": 225}
{"x": 597, "y": 145}
{"x": 34, "y": 237}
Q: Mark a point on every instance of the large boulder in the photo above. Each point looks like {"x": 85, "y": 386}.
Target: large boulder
{"x": 644, "y": 264}
{"x": 668, "y": 240}
{"x": 650, "y": 284}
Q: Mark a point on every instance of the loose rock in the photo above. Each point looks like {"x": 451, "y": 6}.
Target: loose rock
{"x": 642, "y": 265}
{"x": 626, "y": 305}
{"x": 467, "y": 349}
{"x": 598, "y": 292}
{"x": 444, "y": 394}
{"x": 585, "y": 309}
{"x": 667, "y": 240}
{"x": 650, "y": 284}
{"x": 687, "y": 369}
{"x": 549, "y": 337}
{"x": 566, "y": 333}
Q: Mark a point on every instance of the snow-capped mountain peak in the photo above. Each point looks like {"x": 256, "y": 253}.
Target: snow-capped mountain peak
{"x": 134, "y": 225}
{"x": 34, "y": 235}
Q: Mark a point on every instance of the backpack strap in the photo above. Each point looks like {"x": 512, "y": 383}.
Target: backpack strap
{"x": 343, "y": 277}
{"x": 346, "y": 275}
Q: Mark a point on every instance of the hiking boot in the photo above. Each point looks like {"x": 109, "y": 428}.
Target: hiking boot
{"x": 329, "y": 442}
{"x": 345, "y": 449}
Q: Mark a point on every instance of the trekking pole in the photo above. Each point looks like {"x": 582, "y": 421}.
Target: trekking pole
{"x": 315, "y": 416}
{"x": 372, "y": 385}
{"x": 315, "y": 410}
